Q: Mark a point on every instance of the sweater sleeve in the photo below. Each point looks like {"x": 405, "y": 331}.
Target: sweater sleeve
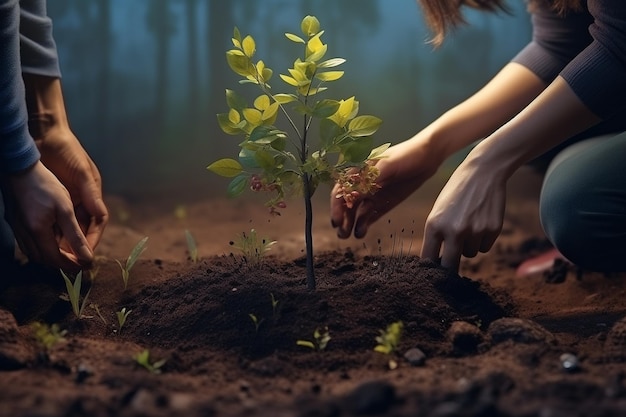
{"x": 598, "y": 74}
{"x": 38, "y": 49}
{"x": 17, "y": 148}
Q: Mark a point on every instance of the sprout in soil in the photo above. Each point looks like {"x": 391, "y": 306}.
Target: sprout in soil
{"x": 389, "y": 339}
{"x": 132, "y": 258}
{"x": 74, "y": 295}
{"x": 275, "y": 303}
{"x": 47, "y": 336}
{"x": 273, "y": 161}
{"x": 321, "y": 337}
{"x": 252, "y": 247}
{"x": 122, "y": 315}
{"x": 192, "y": 247}
{"x": 143, "y": 359}
{"x": 256, "y": 321}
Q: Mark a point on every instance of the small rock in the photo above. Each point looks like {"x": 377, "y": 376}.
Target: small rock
{"x": 82, "y": 373}
{"x": 464, "y": 337}
{"x": 519, "y": 331}
{"x": 615, "y": 343}
{"x": 373, "y": 397}
{"x": 415, "y": 356}
{"x": 569, "y": 362}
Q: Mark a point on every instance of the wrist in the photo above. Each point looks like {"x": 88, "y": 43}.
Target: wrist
{"x": 45, "y": 104}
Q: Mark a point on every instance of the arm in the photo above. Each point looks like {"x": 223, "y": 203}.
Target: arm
{"x": 408, "y": 164}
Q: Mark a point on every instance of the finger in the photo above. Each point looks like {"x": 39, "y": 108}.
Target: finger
{"x": 337, "y": 208}
{"x": 71, "y": 231}
{"x": 431, "y": 245}
{"x": 345, "y": 228}
{"x": 451, "y": 256}
{"x": 487, "y": 242}
{"x": 366, "y": 215}
{"x": 471, "y": 247}
{"x": 91, "y": 226}
{"x": 27, "y": 244}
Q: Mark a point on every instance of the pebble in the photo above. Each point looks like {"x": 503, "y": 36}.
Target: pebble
{"x": 569, "y": 362}
{"x": 465, "y": 338}
{"x": 415, "y": 356}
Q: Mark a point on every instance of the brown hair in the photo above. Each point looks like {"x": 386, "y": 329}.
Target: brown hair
{"x": 442, "y": 15}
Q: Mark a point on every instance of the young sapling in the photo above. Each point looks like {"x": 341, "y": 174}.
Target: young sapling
{"x": 274, "y": 306}
{"x": 321, "y": 337}
{"x": 47, "y": 336}
{"x": 273, "y": 161}
{"x": 139, "y": 248}
{"x": 143, "y": 359}
{"x": 192, "y": 247}
{"x": 74, "y": 295}
{"x": 122, "y": 315}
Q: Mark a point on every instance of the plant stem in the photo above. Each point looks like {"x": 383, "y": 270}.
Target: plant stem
{"x": 308, "y": 209}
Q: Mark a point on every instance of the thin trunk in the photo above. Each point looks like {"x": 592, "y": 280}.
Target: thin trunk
{"x": 308, "y": 210}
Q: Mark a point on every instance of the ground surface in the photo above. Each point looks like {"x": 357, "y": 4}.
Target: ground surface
{"x": 490, "y": 343}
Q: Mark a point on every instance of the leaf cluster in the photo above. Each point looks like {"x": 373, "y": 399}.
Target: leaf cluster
{"x": 143, "y": 359}
{"x": 47, "y": 336}
{"x": 74, "y": 293}
{"x": 321, "y": 337}
{"x": 389, "y": 339}
{"x": 265, "y": 155}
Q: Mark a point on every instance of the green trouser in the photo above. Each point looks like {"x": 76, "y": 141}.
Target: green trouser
{"x": 583, "y": 203}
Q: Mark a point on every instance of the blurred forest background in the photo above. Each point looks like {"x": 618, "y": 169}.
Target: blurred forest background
{"x": 143, "y": 79}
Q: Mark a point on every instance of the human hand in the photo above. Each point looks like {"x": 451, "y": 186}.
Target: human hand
{"x": 467, "y": 215}
{"x": 64, "y": 156}
{"x": 402, "y": 170}
{"x": 41, "y": 213}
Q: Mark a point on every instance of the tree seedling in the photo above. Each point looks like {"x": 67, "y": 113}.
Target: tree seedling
{"x": 122, "y": 315}
{"x": 256, "y": 321}
{"x": 139, "y": 248}
{"x": 96, "y": 308}
{"x": 73, "y": 293}
{"x": 192, "y": 247}
{"x": 388, "y": 341}
{"x": 143, "y": 359}
{"x": 321, "y": 337}
{"x": 252, "y": 247}
{"x": 274, "y": 306}
{"x": 270, "y": 160}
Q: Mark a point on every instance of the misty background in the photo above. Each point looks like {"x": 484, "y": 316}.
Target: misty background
{"x": 144, "y": 79}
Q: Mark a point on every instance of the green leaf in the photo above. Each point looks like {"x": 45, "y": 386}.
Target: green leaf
{"x": 329, "y": 131}
{"x": 305, "y": 343}
{"x": 357, "y": 150}
{"x": 226, "y": 167}
{"x": 226, "y": 125}
{"x": 378, "y": 151}
{"x": 325, "y": 108}
{"x": 237, "y": 34}
{"x": 310, "y": 25}
{"x": 330, "y": 63}
{"x": 235, "y": 101}
{"x": 270, "y": 112}
{"x": 139, "y": 248}
{"x": 285, "y": 98}
{"x": 289, "y": 80}
{"x": 253, "y": 116}
{"x": 265, "y": 160}
{"x": 237, "y": 185}
{"x": 329, "y": 75}
{"x": 294, "y": 38}
{"x": 240, "y": 63}
{"x": 249, "y": 46}
{"x": 364, "y": 125}
{"x": 247, "y": 156}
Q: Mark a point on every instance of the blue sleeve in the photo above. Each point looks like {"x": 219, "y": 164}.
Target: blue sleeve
{"x": 17, "y": 148}
{"x": 38, "y": 49}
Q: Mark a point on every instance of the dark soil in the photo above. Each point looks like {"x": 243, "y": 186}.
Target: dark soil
{"x": 486, "y": 343}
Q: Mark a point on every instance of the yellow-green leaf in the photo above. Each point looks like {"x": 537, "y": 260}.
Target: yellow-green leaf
{"x": 249, "y": 46}
{"x": 234, "y": 100}
{"x": 226, "y": 167}
{"x": 294, "y": 38}
{"x": 289, "y": 80}
{"x": 239, "y": 63}
{"x": 234, "y": 117}
{"x": 364, "y": 125}
{"x": 333, "y": 62}
{"x": 329, "y": 75}
{"x": 252, "y": 116}
{"x": 285, "y": 98}
{"x": 270, "y": 111}
{"x": 378, "y": 151}
{"x": 262, "y": 102}
{"x": 310, "y": 25}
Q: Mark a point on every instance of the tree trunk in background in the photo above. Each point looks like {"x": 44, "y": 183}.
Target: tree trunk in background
{"x": 103, "y": 86}
{"x": 193, "y": 82}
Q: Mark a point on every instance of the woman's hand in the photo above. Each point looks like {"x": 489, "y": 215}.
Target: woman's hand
{"x": 402, "y": 170}
{"x": 468, "y": 214}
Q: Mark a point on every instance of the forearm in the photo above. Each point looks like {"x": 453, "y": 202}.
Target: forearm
{"x": 554, "y": 116}
{"x": 510, "y": 91}
{"x": 44, "y": 101}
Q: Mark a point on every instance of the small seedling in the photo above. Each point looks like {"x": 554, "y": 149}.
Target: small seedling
{"x": 191, "y": 246}
{"x": 122, "y": 315}
{"x": 143, "y": 360}
{"x": 252, "y": 247}
{"x": 73, "y": 293}
{"x": 388, "y": 341}
{"x": 257, "y": 322}
{"x": 96, "y": 308}
{"x": 321, "y": 337}
{"x": 274, "y": 305}
{"x": 47, "y": 336}
{"x": 132, "y": 258}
